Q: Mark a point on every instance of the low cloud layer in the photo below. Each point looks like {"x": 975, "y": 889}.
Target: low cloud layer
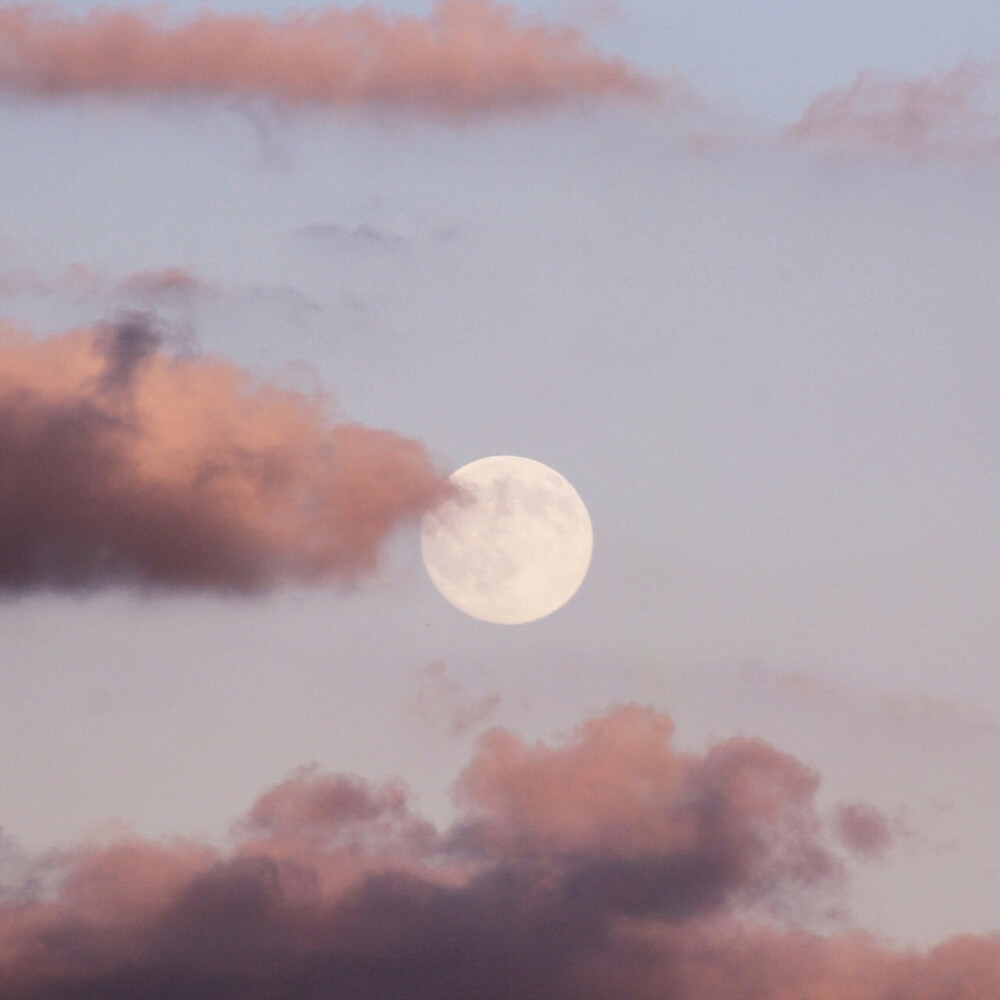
{"x": 465, "y": 57}
{"x": 951, "y": 115}
{"x": 125, "y": 465}
{"x": 609, "y": 865}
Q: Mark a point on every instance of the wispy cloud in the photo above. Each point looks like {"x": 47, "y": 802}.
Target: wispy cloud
{"x": 125, "y": 465}
{"x": 332, "y": 236}
{"x": 466, "y": 57}
{"x": 168, "y": 283}
{"x": 152, "y": 287}
{"x": 950, "y": 115}
{"x": 921, "y": 711}
{"x": 442, "y": 702}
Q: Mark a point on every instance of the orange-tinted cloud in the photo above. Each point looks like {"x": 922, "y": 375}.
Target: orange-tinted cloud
{"x": 465, "y": 57}
{"x": 944, "y": 115}
{"x": 125, "y": 465}
{"x": 609, "y": 865}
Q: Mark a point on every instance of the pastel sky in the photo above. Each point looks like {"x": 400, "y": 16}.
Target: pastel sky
{"x": 268, "y": 274}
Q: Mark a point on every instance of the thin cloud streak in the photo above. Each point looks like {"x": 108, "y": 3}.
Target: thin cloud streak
{"x": 79, "y": 280}
{"x": 607, "y": 865}
{"x": 467, "y": 57}
{"x": 335, "y": 237}
{"x": 159, "y": 286}
{"x": 126, "y": 466}
{"x": 924, "y": 712}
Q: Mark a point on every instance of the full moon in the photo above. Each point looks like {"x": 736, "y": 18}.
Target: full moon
{"x": 513, "y": 546}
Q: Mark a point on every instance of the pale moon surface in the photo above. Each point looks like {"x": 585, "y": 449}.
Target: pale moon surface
{"x": 514, "y": 546}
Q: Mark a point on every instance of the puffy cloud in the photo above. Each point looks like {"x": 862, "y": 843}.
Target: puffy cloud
{"x": 312, "y": 807}
{"x": 942, "y": 115}
{"x": 125, "y": 465}
{"x": 608, "y": 865}
{"x": 465, "y": 57}
{"x": 663, "y": 831}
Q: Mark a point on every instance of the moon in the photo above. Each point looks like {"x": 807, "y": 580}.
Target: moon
{"x": 513, "y": 546}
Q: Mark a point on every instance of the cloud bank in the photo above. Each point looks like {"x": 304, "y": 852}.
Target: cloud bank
{"x": 608, "y": 865}
{"x": 946, "y": 115}
{"x": 466, "y": 57}
{"x": 125, "y": 465}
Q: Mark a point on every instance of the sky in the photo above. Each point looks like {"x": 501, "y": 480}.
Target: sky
{"x": 269, "y": 274}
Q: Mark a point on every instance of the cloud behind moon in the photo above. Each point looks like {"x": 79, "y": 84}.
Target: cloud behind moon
{"x": 123, "y": 465}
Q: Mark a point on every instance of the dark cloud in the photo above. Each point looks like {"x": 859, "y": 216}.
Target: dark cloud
{"x": 610, "y": 865}
{"x": 126, "y": 345}
{"x": 124, "y": 465}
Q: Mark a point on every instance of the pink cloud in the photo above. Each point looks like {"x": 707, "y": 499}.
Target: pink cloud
{"x": 443, "y": 702}
{"x": 639, "y": 878}
{"x": 78, "y": 279}
{"x": 124, "y": 465}
{"x": 863, "y": 829}
{"x": 619, "y": 788}
{"x": 466, "y": 57}
{"x": 944, "y": 115}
